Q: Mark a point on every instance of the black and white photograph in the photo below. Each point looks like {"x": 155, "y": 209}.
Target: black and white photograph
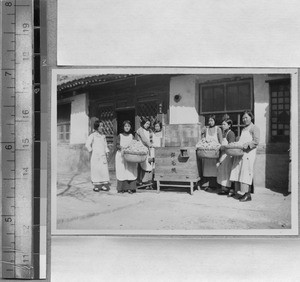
{"x": 208, "y": 152}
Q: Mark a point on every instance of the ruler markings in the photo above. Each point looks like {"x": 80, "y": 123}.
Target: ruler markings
{"x": 22, "y": 265}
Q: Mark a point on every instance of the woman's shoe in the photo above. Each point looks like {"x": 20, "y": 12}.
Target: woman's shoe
{"x": 104, "y": 188}
{"x": 237, "y": 196}
{"x": 96, "y": 189}
{"x": 246, "y": 198}
{"x": 129, "y": 191}
{"x": 222, "y": 192}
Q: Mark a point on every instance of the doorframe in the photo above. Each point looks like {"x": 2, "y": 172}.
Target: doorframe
{"x": 120, "y": 109}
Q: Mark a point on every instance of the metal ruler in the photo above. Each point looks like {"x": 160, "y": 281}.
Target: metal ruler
{"x": 17, "y": 140}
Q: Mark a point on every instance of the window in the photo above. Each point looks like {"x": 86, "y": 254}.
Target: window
{"x": 63, "y": 122}
{"x": 226, "y": 97}
{"x": 230, "y": 98}
{"x": 280, "y": 111}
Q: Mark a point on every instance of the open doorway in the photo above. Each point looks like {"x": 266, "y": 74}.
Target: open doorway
{"x": 125, "y": 114}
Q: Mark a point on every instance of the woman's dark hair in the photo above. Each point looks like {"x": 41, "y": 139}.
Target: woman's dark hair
{"x": 97, "y": 124}
{"x": 157, "y": 122}
{"x": 144, "y": 120}
{"x": 249, "y": 113}
{"x": 228, "y": 121}
{"x": 212, "y": 117}
{"x": 126, "y": 122}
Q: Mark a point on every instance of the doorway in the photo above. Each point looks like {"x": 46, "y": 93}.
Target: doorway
{"x": 125, "y": 114}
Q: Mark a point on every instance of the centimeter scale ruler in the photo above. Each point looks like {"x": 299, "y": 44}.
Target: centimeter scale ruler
{"x": 20, "y": 143}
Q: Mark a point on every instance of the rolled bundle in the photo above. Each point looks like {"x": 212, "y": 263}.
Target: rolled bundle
{"x": 234, "y": 149}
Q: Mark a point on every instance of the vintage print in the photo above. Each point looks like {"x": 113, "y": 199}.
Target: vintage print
{"x": 186, "y": 151}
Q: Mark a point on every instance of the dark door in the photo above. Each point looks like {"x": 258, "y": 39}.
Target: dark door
{"x": 126, "y": 114}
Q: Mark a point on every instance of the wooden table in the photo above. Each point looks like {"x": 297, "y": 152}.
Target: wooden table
{"x": 176, "y": 164}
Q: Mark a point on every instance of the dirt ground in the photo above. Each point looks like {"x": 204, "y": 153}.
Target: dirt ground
{"x": 79, "y": 207}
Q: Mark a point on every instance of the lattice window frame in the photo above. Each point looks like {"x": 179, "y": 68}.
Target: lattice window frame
{"x": 106, "y": 113}
{"x": 280, "y": 101}
{"x": 148, "y": 109}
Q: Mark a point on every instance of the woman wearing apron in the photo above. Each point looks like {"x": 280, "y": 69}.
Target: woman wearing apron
{"x": 144, "y": 134}
{"x": 126, "y": 173}
{"x": 209, "y": 168}
{"x": 224, "y": 165}
{"x": 157, "y": 134}
{"x": 242, "y": 168}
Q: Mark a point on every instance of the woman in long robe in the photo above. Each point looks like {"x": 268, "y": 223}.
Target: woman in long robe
{"x": 243, "y": 166}
{"x": 97, "y": 146}
{"x": 126, "y": 173}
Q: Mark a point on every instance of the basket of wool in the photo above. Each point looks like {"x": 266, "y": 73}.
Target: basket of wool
{"x": 208, "y": 149}
{"x": 136, "y": 152}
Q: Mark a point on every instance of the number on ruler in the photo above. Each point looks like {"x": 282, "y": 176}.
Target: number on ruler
{"x": 25, "y": 142}
{"x": 25, "y": 171}
{"x": 8, "y": 219}
{"x": 25, "y": 27}
{"x": 25, "y": 113}
{"x": 8, "y": 4}
{"x": 8, "y": 147}
{"x": 7, "y": 73}
{"x": 25, "y": 56}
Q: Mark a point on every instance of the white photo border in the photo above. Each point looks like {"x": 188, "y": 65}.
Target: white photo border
{"x": 293, "y": 72}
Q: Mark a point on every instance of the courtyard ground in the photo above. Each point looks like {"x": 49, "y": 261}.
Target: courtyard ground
{"x": 79, "y": 207}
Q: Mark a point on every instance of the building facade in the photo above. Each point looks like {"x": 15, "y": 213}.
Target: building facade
{"x": 177, "y": 99}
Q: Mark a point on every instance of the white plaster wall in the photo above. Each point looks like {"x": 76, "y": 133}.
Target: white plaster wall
{"x": 185, "y": 111}
{"x": 79, "y": 119}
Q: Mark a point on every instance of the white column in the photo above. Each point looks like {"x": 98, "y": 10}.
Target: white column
{"x": 262, "y": 106}
{"x": 79, "y": 119}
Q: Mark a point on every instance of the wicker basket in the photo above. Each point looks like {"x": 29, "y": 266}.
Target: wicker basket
{"x": 208, "y": 154}
{"x": 234, "y": 151}
{"x": 131, "y": 158}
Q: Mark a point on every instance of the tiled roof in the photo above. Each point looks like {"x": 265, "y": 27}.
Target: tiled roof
{"x": 65, "y": 82}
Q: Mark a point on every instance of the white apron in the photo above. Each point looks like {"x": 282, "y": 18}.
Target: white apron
{"x": 146, "y": 165}
{"x": 96, "y": 143}
{"x": 156, "y": 139}
{"x": 224, "y": 169}
{"x": 156, "y": 142}
{"x": 210, "y": 165}
{"x": 125, "y": 170}
{"x": 242, "y": 167}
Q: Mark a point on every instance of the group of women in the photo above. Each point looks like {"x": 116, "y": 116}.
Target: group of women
{"x": 129, "y": 175}
{"x": 233, "y": 174}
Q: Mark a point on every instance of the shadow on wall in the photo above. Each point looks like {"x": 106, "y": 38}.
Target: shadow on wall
{"x": 72, "y": 158}
{"x": 76, "y": 158}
